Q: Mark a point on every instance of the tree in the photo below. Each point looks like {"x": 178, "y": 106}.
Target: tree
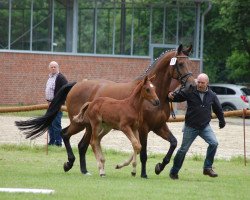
{"x": 227, "y": 41}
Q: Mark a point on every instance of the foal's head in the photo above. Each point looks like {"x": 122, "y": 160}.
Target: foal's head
{"x": 148, "y": 91}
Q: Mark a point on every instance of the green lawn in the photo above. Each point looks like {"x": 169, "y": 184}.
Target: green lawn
{"x": 30, "y": 167}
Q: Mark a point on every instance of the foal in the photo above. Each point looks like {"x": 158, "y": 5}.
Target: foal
{"x": 104, "y": 114}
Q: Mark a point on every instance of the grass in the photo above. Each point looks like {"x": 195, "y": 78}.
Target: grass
{"x": 30, "y": 167}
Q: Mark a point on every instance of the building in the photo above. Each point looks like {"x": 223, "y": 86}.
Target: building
{"x": 110, "y": 39}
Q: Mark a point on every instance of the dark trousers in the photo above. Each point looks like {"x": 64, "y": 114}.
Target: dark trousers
{"x": 55, "y": 130}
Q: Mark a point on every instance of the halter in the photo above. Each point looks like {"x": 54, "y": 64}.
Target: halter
{"x": 182, "y": 78}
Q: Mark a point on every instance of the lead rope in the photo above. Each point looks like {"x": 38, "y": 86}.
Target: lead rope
{"x": 172, "y": 110}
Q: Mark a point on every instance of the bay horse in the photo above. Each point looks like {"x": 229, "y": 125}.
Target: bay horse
{"x": 105, "y": 113}
{"x": 154, "y": 118}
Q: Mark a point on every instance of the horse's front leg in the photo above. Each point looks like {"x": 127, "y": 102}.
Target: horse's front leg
{"x": 143, "y": 154}
{"x": 166, "y": 134}
{"x": 134, "y": 161}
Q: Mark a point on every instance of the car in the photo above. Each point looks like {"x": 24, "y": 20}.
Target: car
{"x": 231, "y": 96}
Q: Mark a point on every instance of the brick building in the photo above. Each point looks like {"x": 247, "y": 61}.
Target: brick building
{"x": 115, "y": 40}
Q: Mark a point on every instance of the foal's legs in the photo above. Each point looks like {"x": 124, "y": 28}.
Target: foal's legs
{"x": 133, "y": 159}
{"x": 166, "y": 134}
{"x": 134, "y": 139}
{"x": 125, "y": 163}
{"x": 136, "y": 151}
{"x": 96, "y": 146}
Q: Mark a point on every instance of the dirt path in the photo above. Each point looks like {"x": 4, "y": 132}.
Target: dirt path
{"x": 230, "y": 138}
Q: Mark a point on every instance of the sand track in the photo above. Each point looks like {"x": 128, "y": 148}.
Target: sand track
{"x": 230, "y": 138}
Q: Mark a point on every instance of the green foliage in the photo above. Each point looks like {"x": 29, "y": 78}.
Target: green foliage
{"x": 227, "y": 41}
{"x": 238, "y": 66}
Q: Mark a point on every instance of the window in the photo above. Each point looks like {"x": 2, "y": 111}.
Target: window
{"x": 218, "y": 90}
{"x": 41, "y": 26}
{"x": 222, "y": 90}
{"x": 230, "y": 91}
{"x": 246, "y": 91}
{"x": 4, "y": 21}
{"x": 20, "y": 25}
{"x": 116, "y": 27}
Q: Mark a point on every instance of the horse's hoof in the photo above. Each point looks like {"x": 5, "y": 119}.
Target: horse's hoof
{"x": 87, "y": 174}
{"x": 117, "y": 167}
{"x": 158, "y": 168}
{"x": 66, "y": 167}
{"x": 133, "y": 174}
{"x": 103, "y": 175}
{"x": 144, "y": 176}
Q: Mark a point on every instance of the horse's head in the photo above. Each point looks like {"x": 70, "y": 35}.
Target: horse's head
{"x": 148, "y": 91}
{"x": 180, "y": 71}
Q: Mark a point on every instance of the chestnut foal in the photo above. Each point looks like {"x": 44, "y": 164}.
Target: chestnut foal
{"x": 105, "y": 113}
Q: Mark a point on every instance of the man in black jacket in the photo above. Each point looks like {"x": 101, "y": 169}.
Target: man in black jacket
{"x": 55, "y": 82}
{"x": 197, "y": 118}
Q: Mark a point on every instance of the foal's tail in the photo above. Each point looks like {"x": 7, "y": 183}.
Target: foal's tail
{"x": 35, "y": 127}
{"x": 79, "y": 118}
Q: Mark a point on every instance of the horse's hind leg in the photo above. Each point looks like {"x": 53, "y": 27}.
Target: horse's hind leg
{"x": 66, "y": 134}
{"x": 82, "y": 148}
{"x": 134, "y": 139}
{"x": 96, "y": 146}
{"x": 125, "y": 163}
{"x": 71, "y": 157}
{"x": 166, "y": 134}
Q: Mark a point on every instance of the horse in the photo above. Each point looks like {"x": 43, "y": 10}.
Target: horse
{"x": 169, "y": 66}
{"x": 105, "y": 113}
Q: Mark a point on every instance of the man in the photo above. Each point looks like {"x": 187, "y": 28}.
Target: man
{"x": 55, "y": 82}
{"x": 197, "y": 119}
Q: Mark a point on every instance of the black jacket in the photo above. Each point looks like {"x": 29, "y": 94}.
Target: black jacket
{"x": 198, "y": 113}
{"x": 60, "y": 81}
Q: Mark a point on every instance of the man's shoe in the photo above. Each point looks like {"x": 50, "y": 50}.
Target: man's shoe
{"x": 174, "y": 176}
{"x": 51, "y": 143}
{"x": 58, "y": 144}
{"x": 210, "y": 172}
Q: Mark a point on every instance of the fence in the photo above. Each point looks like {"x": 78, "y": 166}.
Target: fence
{"x": 179, "y": 118}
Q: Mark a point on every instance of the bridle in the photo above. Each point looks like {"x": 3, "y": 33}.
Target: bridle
{"x": 182, "y": 78}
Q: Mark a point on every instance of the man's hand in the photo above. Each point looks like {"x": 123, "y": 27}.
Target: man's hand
{"x": 171, "y": 95}
{"x": 222, "y": 124}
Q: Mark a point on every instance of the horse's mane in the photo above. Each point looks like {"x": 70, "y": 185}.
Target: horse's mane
{"x": 152, "y": 65}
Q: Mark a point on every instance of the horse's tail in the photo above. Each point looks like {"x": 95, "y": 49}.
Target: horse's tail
{"x": 80, "y": 116}
{"x": 35, "y": 127}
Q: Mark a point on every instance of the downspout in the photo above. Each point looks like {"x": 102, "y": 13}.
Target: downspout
{"x": 202, "y": 34}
